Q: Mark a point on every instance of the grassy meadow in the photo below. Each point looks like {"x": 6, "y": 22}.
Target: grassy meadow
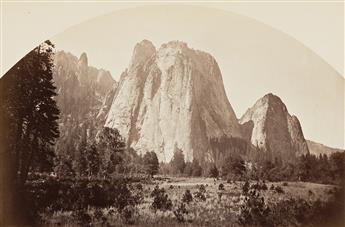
{"x": 216, "y": 203}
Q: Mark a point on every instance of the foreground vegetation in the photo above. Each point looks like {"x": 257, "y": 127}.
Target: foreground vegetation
{"x": 183, "y": 201}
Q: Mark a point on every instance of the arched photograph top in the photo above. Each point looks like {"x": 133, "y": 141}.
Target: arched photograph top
{"x": 174, "y": 115}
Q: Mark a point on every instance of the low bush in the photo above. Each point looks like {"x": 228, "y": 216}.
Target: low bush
{"x": 181, "y": 212}
{"x": 221, "y": 187}
{"x": 200, "y": 194}
{"x": 272, "y": 188}
{"x": 202, "y": 188}
{"x": 128, "y": 214}
{"x": 259, "y": 186}
{"x": 245, "y": 188}
{"x": 161, "y": 200}
{"x": 254, "y": 210}
{"x": 279, "y": 189}
{"x": 187, "y": 197}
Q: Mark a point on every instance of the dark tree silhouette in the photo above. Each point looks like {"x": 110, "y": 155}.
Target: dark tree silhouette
{"x": 111, "y": 147}
{"x": 93, "y": 160}
{"x": 196, "y": 168}
{"x": 177, "y": 162}
{"x": 234, "y": 166}
{"x": 214, "y": 171}
{"x": 151, "y": 163}
{"x": 30, "y": 111}
{"x": 28, "y": 125}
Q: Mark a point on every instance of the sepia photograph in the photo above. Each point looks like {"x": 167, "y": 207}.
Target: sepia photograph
{"x": 172, "y": 113}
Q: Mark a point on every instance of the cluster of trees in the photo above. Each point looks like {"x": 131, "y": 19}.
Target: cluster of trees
{"x": 223, "y": 146}
{"x": 319, "y": 169}
{"x": 235, "y": 166}
{"x": 101, "y": 157}
{"x": 106, "y": 156}
{"x": 179, "y": 167}
{"x": 312, "y": 168}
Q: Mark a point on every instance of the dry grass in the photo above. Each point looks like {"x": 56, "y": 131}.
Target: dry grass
{"x": 220, "y": 208}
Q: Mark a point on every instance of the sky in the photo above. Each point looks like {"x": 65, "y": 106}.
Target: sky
{"x": 318, "y": 25}
{"x": 254, "y": 58}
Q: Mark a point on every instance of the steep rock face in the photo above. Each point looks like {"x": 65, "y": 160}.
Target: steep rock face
{"x": 107, "y": 101}
{"x": 172, "y": 97}
{"x": 82, "y": 92}
{"x": 269, "y": 127}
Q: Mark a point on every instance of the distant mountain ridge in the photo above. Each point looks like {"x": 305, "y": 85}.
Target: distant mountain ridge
{"x": 318, "y": 148}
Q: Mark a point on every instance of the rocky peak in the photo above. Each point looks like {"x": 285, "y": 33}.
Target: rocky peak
{"x": 176, "y": 99}
{"x": 142, "y": 52}
{"x": 83, "y": 61}
{"x": 273, "y": 129}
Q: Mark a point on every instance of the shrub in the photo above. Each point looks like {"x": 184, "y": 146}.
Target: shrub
{"x": 139, "y": 187}
{"x": 200, "y": 194}
{"x": 181, "y": 212}
{"x": 127, "y": 215}
{"x": 263, "y": 186}
{"x": 245, "y": 188}
{"x": 160, "y": 200}
{"x": 279, "y": 189}
{"x": 285, "y": 184}
{"x": 202, "y": 188}
{"x": 272, "y": 187}
{"x": 187, "y": 197}
{"x": 221, "y": 187}
{"x": 82, "y": 217}
{"x": 254, "y": 210}
{"x": 259, "y": 186}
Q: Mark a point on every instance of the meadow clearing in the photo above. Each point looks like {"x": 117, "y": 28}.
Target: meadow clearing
{"x": 180, "y": 201}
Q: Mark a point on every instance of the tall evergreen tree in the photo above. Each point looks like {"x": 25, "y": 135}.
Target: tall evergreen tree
{"x": 30, "y": 111}
{"x": 151, "y": 163}
{"x": 177, "y": 162}
{"x": 28, "y": 123}
{"x": 196, "y": 168}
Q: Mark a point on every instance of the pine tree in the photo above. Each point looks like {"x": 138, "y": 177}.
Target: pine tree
{"x": 29, "y": 112}
{"x": 177, "y": 162}
{"x": 94, "y": 161}
{"x": 196, "y": 168}
{"x": 151, "y": 163}
{"x": 111, "y": 148}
